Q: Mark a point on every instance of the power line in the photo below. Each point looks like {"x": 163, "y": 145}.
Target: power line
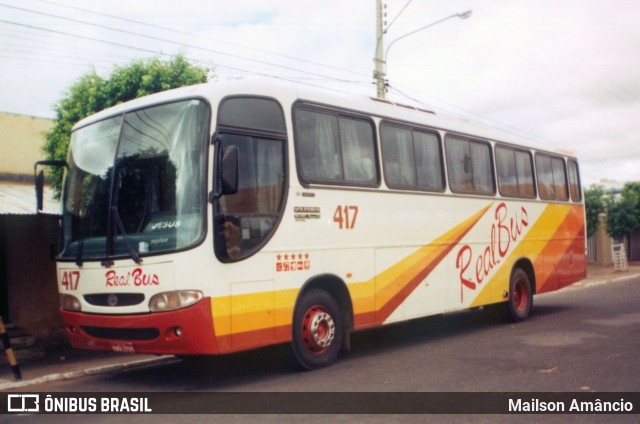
{"x": 47, "y": 61}
{"x": 546, "y": 100}
{"x": 84, "y": 37}
{"x": 49, "y": 49}
{"x": 503, "y": 126}
{"x": 157, "y": 39}
{"x": 607, "y": 85}
{"x": 386, "y": 28}
{"x": 113, "y": 43}
{"x": 191, "y": 34}
{"x": 236, "y": 69}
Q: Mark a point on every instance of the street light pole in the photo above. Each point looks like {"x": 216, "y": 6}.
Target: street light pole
{"x": 380, "y": 59}
{"x": 379, "y": 71}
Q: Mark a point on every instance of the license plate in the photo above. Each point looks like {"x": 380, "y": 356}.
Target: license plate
{"x": 122, "y": 347}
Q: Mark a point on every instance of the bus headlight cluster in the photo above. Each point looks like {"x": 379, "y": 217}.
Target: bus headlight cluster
{"x": 169, "y": 301}
{"x": 69, "y": 302}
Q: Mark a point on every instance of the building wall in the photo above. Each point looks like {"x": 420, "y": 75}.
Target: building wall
{"x": 21, "y": 139}
{"x": 603, "y": 244}
{"x": 634, "y": 246}
{"x": 28, "y": 291}
{"x": 30, "y": 275}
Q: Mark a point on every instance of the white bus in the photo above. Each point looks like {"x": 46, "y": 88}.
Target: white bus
{"x": 229, "y": 216}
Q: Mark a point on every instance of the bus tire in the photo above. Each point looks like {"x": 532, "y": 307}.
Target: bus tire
{"x": 520, "y": 296}
{"x": 318, "y": 330}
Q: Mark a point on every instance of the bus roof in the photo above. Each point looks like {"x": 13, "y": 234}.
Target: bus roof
{"x": 289, "y": 93}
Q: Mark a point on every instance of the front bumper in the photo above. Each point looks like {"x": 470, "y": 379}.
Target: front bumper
{"x": 187, "y": 331}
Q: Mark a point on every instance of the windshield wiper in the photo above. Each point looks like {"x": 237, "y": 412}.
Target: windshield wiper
{"x": 82, "y": 230}
{"x": 79, "y": 253}
{"x": 134, "y": 255}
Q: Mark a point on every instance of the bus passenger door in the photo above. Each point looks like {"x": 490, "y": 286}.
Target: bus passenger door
{"x": 252, "y": 302}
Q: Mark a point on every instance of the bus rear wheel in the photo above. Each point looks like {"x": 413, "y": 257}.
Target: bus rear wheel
{"x": 520, "y": 296}
{"x": 317, "y": 330}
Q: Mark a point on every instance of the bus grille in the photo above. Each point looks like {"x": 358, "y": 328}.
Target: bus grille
{"x": 114, "y": 299}
{"x": 122, "y": 333}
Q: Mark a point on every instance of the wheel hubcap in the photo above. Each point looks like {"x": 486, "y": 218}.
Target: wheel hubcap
{"x": 318, "y": 329}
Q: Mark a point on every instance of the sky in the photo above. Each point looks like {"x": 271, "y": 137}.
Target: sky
{"x": 565, "y": 75}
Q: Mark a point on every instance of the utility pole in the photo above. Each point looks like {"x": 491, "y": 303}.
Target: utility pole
{"x": 380, "y": 70}
{"x": 379, "y": 73}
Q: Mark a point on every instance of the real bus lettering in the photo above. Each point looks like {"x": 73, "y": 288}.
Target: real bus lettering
{"x": 504, "y": 230}
{"x": 136, "y": 278}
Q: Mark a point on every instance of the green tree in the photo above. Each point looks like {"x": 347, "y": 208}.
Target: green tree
{"x": 595, "y": 205}
{"x": 623, "y": 213}
{"x": 92, "y": 93}
{"x": 632, "y": 189}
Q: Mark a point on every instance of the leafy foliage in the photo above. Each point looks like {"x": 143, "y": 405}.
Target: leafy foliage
{"x": 595, "y": 205}
{"x": 92, "y": 93}
{"x": 623, "y": 213}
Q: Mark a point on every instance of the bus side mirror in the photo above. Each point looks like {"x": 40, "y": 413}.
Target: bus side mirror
{"x": 229, "y": 172}
{"x": 40, "y": 191}
{"x": 39, "y": 180}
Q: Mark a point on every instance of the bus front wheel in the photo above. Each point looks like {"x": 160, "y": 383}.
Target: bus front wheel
{"x": 520, "y": 295}
{"x": 317, "y": 330}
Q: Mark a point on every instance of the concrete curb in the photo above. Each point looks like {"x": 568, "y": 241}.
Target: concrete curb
{"x": 104, "y": 369}
{"x": 620, "y": 278}
{"x": 610, "y": 279}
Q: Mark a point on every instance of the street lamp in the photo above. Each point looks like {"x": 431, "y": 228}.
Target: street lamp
{"x": 381, "y": 59}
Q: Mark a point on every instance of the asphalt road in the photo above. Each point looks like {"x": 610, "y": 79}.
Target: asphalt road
{"x": 581, "y": 339}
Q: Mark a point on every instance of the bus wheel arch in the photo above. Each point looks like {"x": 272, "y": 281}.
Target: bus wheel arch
{"x": 322, "y": 321}
{"x": 522, "y": 287}
{"x": 526, "y": 265}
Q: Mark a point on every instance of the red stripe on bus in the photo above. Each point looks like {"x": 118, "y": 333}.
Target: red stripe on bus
{"x": 563, "y": 261}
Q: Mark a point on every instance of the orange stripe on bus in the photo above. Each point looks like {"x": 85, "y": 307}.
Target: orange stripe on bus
{"x": 562, "y": 259}
{"x": 400, "y": 280}
{"x": 558, "y": 229}
{"x": 545, "y": 240}
{"x": 394, "y": 285}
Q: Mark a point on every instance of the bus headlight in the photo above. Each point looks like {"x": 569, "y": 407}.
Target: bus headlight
{"x": 169, "y": 301}
{"x": 69, "y": 302}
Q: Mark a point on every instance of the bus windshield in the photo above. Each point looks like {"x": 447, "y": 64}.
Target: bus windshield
{"x": 136, "y": 183}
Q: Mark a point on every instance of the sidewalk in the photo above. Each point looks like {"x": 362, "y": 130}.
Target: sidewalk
{"x": 67, "y": 363}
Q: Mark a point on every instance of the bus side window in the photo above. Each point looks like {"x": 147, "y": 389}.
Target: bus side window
{"x": 246, "y": 219}
{"x": 574, "y": 181}
{"x": 358, "y": 151}
{"x": 335, "y": 149}
{"x": 515, "y": 172}
{"x": 506, "y": 170}
{"x": 428, "y": 157}
{"x": 545, "y": 177}
{"x": 469, "y": 166}
{"x": 412, "y": 158}
{"x": 397, "y": 155}
{"x": 524, "y": 169}
{"x": 552, "y": 178}
{"x": 560, "y": 179}
{"x": 317, "y": 146}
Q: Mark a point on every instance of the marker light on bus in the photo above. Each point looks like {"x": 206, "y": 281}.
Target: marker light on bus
{"x": 169, "y": 301}
{"x": 69, "y": 302}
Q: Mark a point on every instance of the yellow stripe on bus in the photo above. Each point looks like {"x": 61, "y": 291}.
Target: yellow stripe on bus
{"x": 249, "y": 312}
{"x": 399, "y": 281}
{"x": 531, "y": 246}
{"x": 382, "y": 294}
